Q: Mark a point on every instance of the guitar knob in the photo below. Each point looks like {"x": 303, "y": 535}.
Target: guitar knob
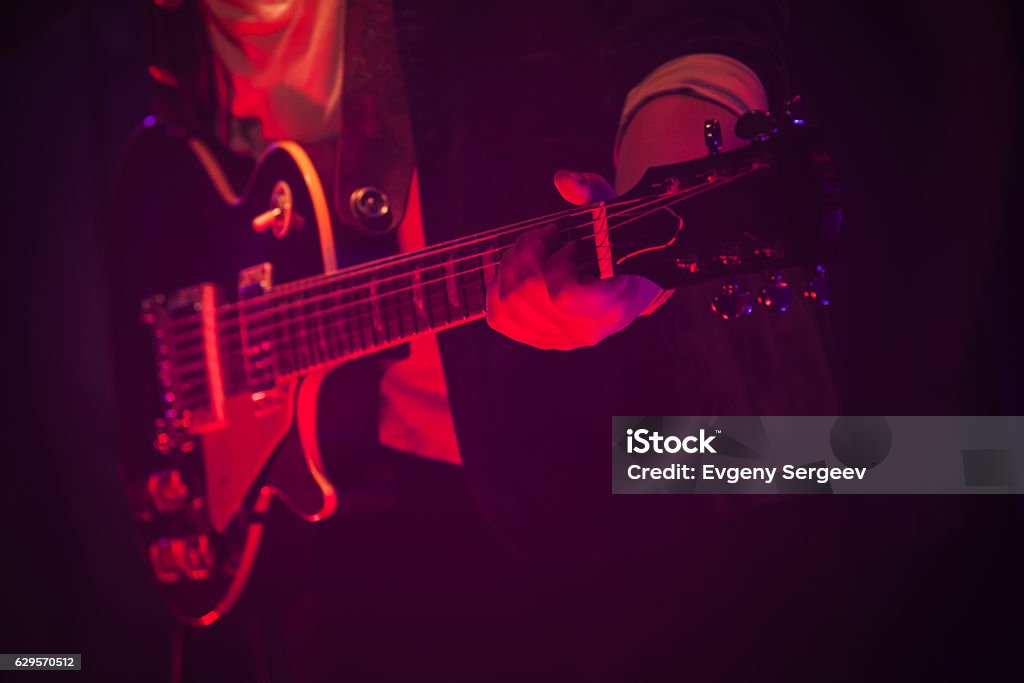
{"x": 733, "y": 302}
{"x": 818, "y": 288}
{"x": 194, "y": 556}
{"x": 162, "y": 560}
{"x": 371, "y": 206}
{"x": 162, "y": 443}
{"x": 776, "y": 295}
{"x": 167, "y": 489}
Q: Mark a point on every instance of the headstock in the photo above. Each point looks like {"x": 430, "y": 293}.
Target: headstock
{"x": 761, "y": 208}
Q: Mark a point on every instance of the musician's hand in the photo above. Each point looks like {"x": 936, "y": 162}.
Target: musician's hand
{"x": 540, "y": 297}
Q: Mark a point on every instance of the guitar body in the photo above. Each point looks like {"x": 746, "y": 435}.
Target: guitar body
{"x": 202, "y": 494}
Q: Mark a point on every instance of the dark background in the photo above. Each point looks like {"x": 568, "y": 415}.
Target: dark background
{"x": 922, "y": 105}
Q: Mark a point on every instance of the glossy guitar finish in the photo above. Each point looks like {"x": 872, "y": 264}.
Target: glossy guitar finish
{"x": 218, "y": 391}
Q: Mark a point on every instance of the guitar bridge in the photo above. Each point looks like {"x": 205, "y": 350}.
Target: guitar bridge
{"x": 257, "y": 345}
{"x": 188, "y": 356}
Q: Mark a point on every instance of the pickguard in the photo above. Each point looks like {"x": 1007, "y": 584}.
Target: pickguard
{"x": 236, "y": 453}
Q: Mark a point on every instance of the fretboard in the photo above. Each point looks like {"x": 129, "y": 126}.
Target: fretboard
{"x": 300, "y": 326}
{"x": 296, "y": 328}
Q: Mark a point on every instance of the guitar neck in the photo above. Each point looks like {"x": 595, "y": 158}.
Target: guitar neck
{"x": 297, "y": 327}
{"x": 758, "y": 208}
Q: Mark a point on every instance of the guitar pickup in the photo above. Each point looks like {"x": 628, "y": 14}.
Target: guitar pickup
{"x": 188, "y": 355}
{"x": 256, "y": 328}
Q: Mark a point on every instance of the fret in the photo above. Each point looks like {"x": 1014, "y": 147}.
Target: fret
{"x": 367, "y": 321}
{"x": 359, "y": 321}
{"x": 364, "y": 311}
{"x": 284, "y": 334}
{"x": 279, "y": 349}
{"x": 351, "y": 335}
{"x": 354, "y": 311}
{"x": 436, "y": 290}
{"x": 309, "y": 323}
{"x": 284, "y": 343}
{"x": 340, "y": 333}
{"x": 305, "y": 338}
{"x": 452, "y": 290}
{"x": 348, "y": 320}
{"x": 376, "y": 304}
{"x": 405, "y": 307}
{"x": 423, "y": 320}
{"x": 344, "y": 328}
{"x": 489, "y": 272}
{"x": 323, "y": 334}
{"x": 332, "y": 347}
{"x": 489, "y": 257}
{"x": 298, "y": 336}
{"x": 471, "y": 285}
{"x": 291, "y": 336}
{"x": 334, "y": 340}
{"x": 389, "y": 292}
{"x": 394, "y": 323}
{"x": 483, "y": 288}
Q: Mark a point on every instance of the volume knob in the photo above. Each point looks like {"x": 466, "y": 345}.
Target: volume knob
{"x": 776, "y": 295}
{"x": 733, "y": 302}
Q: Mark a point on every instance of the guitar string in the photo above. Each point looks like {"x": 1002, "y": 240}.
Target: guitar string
{"x": 227, "y": 321}
{"x": 666, "y": 199}
{"x": 465, "y": 240}
{"x": 321, "y": 279}
{"x": 293, "y": 331}
{"x": 500, "y": 231}
{"x": 302, "y": 303}
{"x": 355, "y": 327}
{"x": 360, "y": 317}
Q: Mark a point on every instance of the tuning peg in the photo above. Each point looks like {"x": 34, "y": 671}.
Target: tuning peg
{"x": 796, "y": 110}
{"x": 776, "y": 295}
{"x": 756, "y": 125}
{"x": 818, "y": 288}
{"x": 733, "y": 302}
{"x": 713, "y": 136}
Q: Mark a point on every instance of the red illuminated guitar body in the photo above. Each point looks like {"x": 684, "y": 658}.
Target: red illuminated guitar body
{"x": 221, "y": 432}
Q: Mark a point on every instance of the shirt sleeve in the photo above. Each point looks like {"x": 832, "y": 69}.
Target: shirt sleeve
{"x": 716, "y": 78}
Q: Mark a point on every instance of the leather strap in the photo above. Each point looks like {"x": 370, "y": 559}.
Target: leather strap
{"x": 375, "y": 148}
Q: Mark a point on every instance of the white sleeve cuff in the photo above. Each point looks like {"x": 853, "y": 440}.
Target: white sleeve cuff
{"x": 716, "y": 78}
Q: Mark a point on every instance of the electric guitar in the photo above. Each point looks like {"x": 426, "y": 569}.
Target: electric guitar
{"x": 218, "y": 394}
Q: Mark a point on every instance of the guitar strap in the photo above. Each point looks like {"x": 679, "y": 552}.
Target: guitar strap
{"x": 374, "y": 159}
{"x": 375, "y": 156}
